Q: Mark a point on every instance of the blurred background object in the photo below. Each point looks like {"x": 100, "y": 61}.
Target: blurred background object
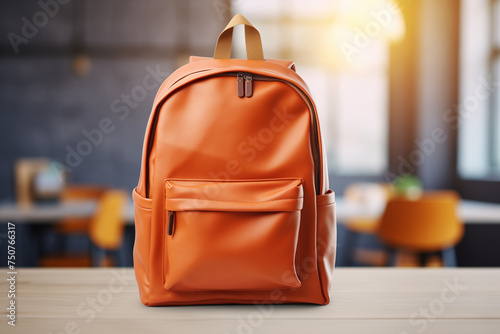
{"x": 25, "y": 172}
{"x": 104, "y": 232}
{"x": 426, "y": 225}
{"x": 407, "y": 94}
{"x": 408, "y": 186}
{"x": 36, "y": 180}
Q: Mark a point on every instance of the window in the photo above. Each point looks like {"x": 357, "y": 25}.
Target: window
{"x": 340, "y": 48}
{"x": 479, "y": 108}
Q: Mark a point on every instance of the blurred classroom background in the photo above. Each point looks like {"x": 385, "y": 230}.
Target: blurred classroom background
{"x": 407, "y": 93}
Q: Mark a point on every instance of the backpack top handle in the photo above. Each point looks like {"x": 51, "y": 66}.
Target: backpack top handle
{"x": 252, "y": 40}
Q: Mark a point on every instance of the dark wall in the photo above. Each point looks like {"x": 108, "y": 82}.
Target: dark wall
{"x": 438, "y": 92}
{"x": 45, "y": 103}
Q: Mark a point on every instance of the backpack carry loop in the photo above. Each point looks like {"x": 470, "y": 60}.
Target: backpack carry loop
{"x": 252, "y": 40}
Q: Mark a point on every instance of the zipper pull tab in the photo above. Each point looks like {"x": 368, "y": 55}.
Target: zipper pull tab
{"x": 248, "y": 85}
{"x": 171, "y": 217}
{"x": 241, "y": 85}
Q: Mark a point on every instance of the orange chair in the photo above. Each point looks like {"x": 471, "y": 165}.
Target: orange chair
{"x": 424, "y": 226}
{"x": 77, "y": 193}
{"x": 105, "y": 232}
{"x": 68, "y": 227}
{"x": 106, "y": 227}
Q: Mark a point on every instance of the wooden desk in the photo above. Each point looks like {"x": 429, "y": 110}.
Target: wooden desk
{"x": 52, "y": 212}
{"x": 43, "y": 213}
{"x": 364, "y": 301}
{"x": 469, "y": 212}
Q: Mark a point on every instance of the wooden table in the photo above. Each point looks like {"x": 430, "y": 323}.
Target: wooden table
{"x": 469, "y": 212}
{"x": 44, "y": 213}
{"x": 364, "y": 301}
{"x": 52, "y": 212}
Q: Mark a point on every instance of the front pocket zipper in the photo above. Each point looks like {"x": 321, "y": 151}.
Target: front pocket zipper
{"x": 231, "y": 235}
{"x": 171, "y": 218}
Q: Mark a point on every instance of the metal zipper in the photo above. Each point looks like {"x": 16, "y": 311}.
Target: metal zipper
{"x": 244, "y": 88}
{"x": 240, "y": 85}
{"x": 171, "y": 219}
{"x": 248, "y": 84}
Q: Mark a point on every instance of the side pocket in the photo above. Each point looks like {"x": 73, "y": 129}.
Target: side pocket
{"x": 326, "y": 240}
{"x": 142, "y": 212}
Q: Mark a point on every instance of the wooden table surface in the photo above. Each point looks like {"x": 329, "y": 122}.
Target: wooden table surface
{"x": 364, "y": 300}
{"x": 468, "y": 211}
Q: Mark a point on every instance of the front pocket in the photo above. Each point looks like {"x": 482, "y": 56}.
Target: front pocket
{"x": 231, "y": 235}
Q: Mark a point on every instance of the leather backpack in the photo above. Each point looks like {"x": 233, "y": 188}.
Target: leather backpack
{"x": 233, "y": 203}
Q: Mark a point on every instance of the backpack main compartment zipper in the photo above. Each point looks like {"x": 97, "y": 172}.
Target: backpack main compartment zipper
{"x": 244, "y": 84}
{"x": 248, "y": 84}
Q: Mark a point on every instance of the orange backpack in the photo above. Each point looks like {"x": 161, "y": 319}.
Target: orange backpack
{"x": 233, "y": 203}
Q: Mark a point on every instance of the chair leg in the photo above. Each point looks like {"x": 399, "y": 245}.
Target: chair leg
{"x": 391, "y": 257}
{"x": 422, "y": 259}
{"x": 38, "y": 233}
{"x": 449, "y": 257}
{"x": 119, "y": 257}
{"x": 350, "y": 246}
{"x": 59, "y": 243}
{"x": 346, "y": 245}
{"x": 97, "y": 255}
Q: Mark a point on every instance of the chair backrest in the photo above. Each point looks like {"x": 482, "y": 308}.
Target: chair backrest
{"x": 78, "y": 225}
{"x": 427, "y": 224}
{"x": 81, "y": 192}
{"x": 106, "y": 226}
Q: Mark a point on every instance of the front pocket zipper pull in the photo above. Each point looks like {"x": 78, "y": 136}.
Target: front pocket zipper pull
{"x": 248, "y": 85}
{"x": 240, "y": 84}
{"x": 171, "y": 217}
